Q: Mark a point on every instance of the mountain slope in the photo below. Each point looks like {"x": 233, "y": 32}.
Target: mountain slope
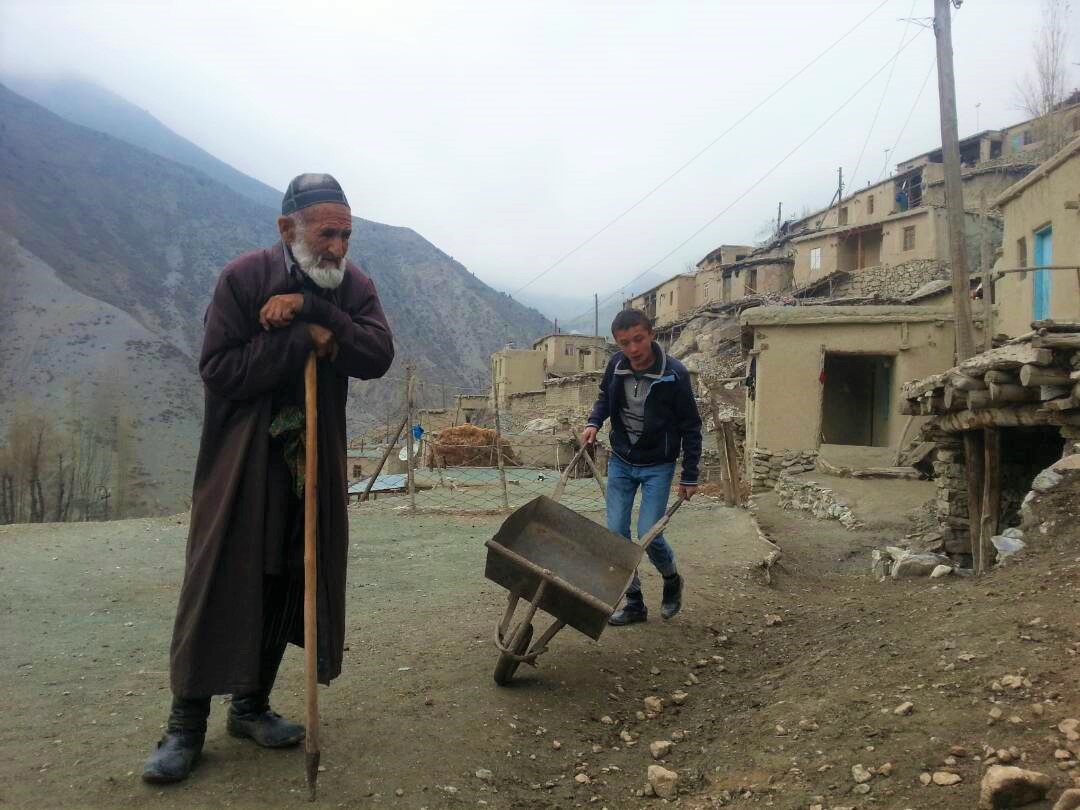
{"x": 134, "y": 232}
{"x": 92, "y": 106}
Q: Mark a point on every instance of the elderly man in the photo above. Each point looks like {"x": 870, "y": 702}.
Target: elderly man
{"x": 242, "y": 596}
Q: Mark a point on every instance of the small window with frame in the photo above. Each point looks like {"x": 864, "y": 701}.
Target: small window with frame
{"x": 909, "y": 237}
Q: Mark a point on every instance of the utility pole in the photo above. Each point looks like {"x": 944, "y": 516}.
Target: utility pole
{"x": 954, "y": 192}
{"x": 596, "y": 313}
{"x": 779, "y": 209}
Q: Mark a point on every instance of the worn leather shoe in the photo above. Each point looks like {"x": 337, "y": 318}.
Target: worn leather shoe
{"x": 630, "y": 613}
{"x": 174, "y": 758}
{"x": 672, "y": 599}
{"x": 267, "y": 728}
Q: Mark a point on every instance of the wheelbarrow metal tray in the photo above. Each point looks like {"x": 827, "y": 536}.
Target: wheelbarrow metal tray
{"x": 590, "y": 565}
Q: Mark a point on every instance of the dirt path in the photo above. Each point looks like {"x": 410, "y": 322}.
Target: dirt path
{"x": 87, "y": 612}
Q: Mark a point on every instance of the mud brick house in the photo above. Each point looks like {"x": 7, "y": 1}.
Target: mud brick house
{"x": 998, "y": 420}
{"x": 832, "y": 375}
{"x": 709, "y": 278}
{"x": 1042, "y": 231}
{"x": 566, "y": 353}
{"x": 669, "y": 301}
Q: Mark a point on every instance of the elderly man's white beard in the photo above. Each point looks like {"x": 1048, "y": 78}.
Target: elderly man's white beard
{"x": 327, "y": 276}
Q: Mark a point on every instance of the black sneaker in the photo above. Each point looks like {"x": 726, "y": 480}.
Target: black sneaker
{"x": 672, "y": 600}
{"x": 629, "y": 613}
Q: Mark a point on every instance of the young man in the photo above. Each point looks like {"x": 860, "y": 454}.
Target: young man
{"x": 648, "y": 398}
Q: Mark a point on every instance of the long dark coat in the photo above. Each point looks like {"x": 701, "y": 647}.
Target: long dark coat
{"x": 217, "y": 634}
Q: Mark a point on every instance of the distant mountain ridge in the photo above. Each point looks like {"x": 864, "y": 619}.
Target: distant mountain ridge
{"x": 92, "y": 106}
{"x": 145, "y": 234}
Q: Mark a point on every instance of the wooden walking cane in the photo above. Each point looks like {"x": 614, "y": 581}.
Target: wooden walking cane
{"x": 311, "y": 635}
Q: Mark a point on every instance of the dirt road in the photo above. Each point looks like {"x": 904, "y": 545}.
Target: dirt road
{"x": 87, "y": 614}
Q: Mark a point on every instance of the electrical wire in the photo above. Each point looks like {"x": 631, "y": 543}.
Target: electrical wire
{"x": 766, "y": 175}
{"x": 708, "y": 146}
{"x": 911, "y": 112}
{"x": 881, "y": 101}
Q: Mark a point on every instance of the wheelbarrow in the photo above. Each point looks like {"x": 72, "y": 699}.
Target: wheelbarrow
{"x": 561, "y": 563}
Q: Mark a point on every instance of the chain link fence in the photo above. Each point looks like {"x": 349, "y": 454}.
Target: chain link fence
{"x": 473, "y": 451}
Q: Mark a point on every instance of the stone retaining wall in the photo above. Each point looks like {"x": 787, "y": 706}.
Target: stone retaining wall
{"x": 812, "y": 497}
{"x": 896, "y": 282}
{"x": 768, "y": 466}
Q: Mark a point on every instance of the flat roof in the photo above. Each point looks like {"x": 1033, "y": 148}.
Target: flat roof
{"x": 827, "y": 315}
{"x": 575, "y": 335}
{"x": 839, "y": 229}
{"x": 1016, "y": 189}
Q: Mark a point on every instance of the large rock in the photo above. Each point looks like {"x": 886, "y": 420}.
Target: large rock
{"x": 917, "y": 565}
{"x": 1046, "y": 481}
{"x": 1069, "y": 800}
{"x": 1004, "y": 786}
{"x": 664, "y": 783}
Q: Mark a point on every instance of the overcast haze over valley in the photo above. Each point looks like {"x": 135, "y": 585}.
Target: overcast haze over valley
{"x": 508, "y": 134}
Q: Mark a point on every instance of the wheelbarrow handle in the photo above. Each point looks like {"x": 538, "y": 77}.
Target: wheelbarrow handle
{"x": 661, "y": 524}
{"x": 559, "y": 487}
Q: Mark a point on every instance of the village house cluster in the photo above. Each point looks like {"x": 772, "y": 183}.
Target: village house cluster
{"x": 803, "y": 345}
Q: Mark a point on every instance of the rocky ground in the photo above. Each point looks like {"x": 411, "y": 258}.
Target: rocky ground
{"x": 826, "y": 689}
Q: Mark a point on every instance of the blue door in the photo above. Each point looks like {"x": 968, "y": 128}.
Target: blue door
{"x": 1044, "y": 256}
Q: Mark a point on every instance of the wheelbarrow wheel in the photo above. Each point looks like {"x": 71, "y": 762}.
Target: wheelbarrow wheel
{"x": 506, "y": 665}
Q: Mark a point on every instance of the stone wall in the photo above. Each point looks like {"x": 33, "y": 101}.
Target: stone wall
{"x": 768, "y": 466}
{"x": 1018, "y": 469}
{"x": 526, "y": 406}
{"x": 573, "y": 393}
{"x": 896, "y": 282}
{"x": 810, "y": 496}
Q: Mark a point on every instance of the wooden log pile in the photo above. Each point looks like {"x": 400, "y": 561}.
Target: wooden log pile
{"x": 1032, "y": 380}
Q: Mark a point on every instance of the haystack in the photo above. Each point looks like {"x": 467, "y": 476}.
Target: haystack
{"x": 466, "y": 446}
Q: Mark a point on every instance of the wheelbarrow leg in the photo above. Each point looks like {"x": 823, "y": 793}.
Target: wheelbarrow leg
{"x": 510, "y": 660}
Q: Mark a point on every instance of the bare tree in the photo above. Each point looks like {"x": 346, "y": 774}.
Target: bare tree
{"x": 1042, "y": 89}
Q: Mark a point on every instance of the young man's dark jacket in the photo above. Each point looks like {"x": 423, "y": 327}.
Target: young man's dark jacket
{"x": 672, "y": 421}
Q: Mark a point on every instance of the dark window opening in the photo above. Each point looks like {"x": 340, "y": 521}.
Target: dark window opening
{"x": 1029, "y": 137}
{"x": 909, "y": 237}
{"x": 870, "y": 204}
{"x": 1021, "y": 252}
{"x": 908, "y": 192}
{"x": 857, "y": 404}
{"x": 995, "y": 149}
{"x": 843, "y": 216}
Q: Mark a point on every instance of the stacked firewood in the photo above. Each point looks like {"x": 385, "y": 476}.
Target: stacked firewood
{"x": 1031, "y": 380}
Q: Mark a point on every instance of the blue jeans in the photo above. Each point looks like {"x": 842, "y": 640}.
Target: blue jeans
{"x": 655, "y": 480}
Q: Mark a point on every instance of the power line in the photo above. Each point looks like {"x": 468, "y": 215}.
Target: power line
{"x": 918, "y": 96}
{"x": 881, "y": 101}
{"x": 765, "y": 176}
{"x": 708, "y": 146}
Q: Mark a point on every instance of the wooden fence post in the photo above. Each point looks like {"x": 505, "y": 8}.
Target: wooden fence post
{"x": 727, "y": 464}
{"x": 498, "y": 441}
{"x": 974, "y": 473}
{"x": 409, "y": 418}
{"x": 991, "y": 496}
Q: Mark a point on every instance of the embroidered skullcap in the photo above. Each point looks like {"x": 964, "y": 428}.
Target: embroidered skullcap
{"x": 311, "y": 189}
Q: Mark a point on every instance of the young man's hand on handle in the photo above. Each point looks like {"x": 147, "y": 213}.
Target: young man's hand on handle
{"x": 686, "y": 491}
{"x": 588, "y": 436}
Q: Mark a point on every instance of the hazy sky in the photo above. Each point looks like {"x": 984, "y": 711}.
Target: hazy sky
{"x": 507, "y": 133}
